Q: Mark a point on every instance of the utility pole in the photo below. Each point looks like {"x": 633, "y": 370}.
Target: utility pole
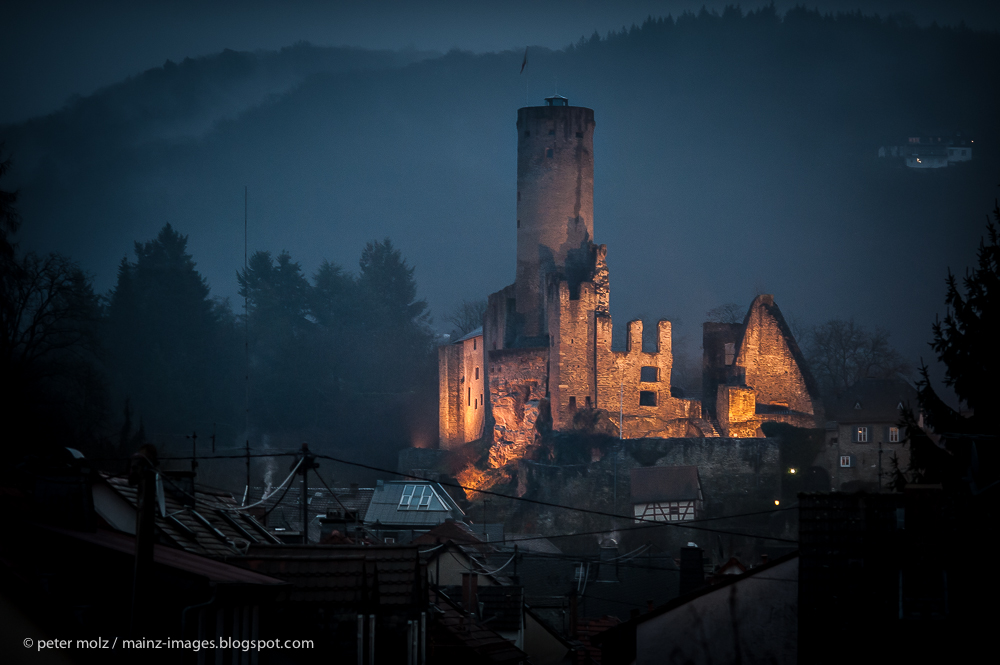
{"x": 485, "y": 504}
{"x": 880, "y": 465}
{"x": 194, "y": 451}
{"x": 143, "y": 475}
{"x": 621, "y": 436}
{"x": 308, "y": 462}
{"x": 246, "y": 344}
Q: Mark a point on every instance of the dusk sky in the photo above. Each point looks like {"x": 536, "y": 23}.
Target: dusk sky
{"x": 709, "y": 186}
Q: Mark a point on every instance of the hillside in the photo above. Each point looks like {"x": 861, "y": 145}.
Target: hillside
{"x": 734, "y": 154}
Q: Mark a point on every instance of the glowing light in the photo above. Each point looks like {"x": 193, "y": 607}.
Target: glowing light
{"x": 918, "y": 161}
{"x": 791, "y": 471}
{"x": 777, "y": 503}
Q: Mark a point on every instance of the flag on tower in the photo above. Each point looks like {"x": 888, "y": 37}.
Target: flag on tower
{"x": 525, "y": 61}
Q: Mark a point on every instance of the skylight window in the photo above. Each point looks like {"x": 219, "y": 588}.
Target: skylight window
{"x": 416, "y": 497}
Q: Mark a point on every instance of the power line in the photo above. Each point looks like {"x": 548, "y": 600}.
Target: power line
{"x": 549, "y": 504}
{"x": 648, "y": 523}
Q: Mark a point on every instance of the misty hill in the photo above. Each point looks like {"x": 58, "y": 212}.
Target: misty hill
{"x": 734, "y": 154}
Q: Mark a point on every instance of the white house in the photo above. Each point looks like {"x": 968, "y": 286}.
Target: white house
{"x": 666, "y": 493}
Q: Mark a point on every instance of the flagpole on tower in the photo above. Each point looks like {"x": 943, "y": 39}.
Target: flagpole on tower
{"x": 524, "y": 63}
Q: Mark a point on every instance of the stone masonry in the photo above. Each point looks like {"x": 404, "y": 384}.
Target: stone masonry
{"x": 544, "y": 352}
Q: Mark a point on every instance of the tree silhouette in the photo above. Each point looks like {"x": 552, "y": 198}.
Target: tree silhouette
{"x": 172, "y": 349}
{"x": 959, "y": 448}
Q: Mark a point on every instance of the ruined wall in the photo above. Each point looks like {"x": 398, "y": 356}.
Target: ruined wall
{"x": 572, "y": 380}
{"x": 620, "y": 383}
{"x": 737, "y": 409}
{"x": 771, "y": 363}
{"x": 497, "y": 322}
{"x": 719, "y": 342}
{"x": 518, "y": 383}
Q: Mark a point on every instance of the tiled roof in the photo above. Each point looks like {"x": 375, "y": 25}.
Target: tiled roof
{"x": 502, "y": 606}
{"x": 451, "y": 531}
{"x": 478, "y": 332}
{"x": 288, "y": 513}
{"x": 341, "y": 574}
{"x": 529, "y": 542}
{"x": 665, "y": 483}
{"x": 489, "y": 533}
{"x": 877, "y": 401}
{"x": 484, "y": 643}
{"x": 214, "y": 571}
{"x": 211, "y": 527}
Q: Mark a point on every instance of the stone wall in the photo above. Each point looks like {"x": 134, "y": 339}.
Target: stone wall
{"x": 771, "y": 363}
{"x": 572, "y": 379}
{"x": 518, "y": 383}
{"x": 461, "y": 381}
{"x": 737, "y": 476}
{"x": 737, "y": 409}
{"x": 449, "y": 368}
{"x": 620, "y": 384}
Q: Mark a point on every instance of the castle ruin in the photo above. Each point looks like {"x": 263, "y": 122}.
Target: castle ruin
{"x": 543, "y": 357}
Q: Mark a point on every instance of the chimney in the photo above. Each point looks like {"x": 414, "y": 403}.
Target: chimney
{"x": 692, "y": 569}
{"x": 607, "y": 568}
{"x": 470, "y": 588}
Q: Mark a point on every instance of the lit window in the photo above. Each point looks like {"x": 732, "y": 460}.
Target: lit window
{"x": 893, "y": 435}
{"x": 845, "y": 461}
{"x": 861, "y": 434}
{"x": 647, "y": 398}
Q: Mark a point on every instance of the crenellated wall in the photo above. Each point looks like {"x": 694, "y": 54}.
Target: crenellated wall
{"x": 645, "y": 407}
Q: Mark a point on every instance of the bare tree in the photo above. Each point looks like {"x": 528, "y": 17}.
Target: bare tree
{"x": 467, "y": 316}
{"x": 840, "y": 353}
{"x": 10, "y": 219}
{"x": 728, "y": 313}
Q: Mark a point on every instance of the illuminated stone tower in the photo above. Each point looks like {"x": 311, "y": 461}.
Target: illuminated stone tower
{"x": 555, "y": 206}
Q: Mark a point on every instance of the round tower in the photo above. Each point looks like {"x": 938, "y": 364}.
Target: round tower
{"x": 555, "y": 202}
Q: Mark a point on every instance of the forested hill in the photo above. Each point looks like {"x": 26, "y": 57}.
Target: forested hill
{"x": 734, "y": 153}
